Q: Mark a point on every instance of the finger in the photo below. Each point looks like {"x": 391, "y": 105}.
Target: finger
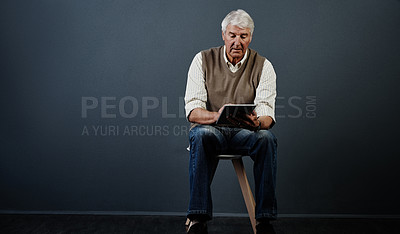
{"x": 248, "y": 117}
{"x": 240, "y": 122}
{"x": 251, "y": 119}
{"x": 247, "y": 122}
{"x": 243, "y": 123}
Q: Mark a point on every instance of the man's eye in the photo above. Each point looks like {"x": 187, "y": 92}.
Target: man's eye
{"x": 243, "y": 36}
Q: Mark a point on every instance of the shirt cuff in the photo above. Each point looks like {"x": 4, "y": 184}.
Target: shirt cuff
{"x": 193, "y": 105}
{"x": 265, "y": 110}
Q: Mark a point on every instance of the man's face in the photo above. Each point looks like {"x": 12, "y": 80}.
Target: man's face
{"x": 237, "y": 41}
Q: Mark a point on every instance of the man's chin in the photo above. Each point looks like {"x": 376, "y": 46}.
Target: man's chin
{"x": 236, "y": 55}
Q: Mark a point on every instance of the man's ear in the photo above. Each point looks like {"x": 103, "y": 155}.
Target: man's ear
{"x": 223, "y": 35}
{"x": 251, "y": 37}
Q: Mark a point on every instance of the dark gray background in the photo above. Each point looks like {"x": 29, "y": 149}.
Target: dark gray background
{"x": 53, "y": 53}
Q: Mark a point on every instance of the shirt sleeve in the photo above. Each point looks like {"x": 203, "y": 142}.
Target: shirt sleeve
{"x": 196, "y": 93}
{"x": 266, "y": 92}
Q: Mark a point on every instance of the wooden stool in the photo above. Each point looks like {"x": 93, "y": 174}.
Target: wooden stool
{"x": 244, "y": 185}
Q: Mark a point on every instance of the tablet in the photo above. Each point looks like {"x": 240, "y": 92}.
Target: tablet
{"x": 233, "y": 110}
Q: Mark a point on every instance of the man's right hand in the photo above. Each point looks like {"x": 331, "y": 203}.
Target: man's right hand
{"x": 203, "y": 116}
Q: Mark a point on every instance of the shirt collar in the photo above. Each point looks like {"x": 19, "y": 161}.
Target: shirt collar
{"x": 237, "y": 64}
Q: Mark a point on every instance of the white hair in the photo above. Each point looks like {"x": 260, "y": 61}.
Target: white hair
{"x": 238, "y": 18}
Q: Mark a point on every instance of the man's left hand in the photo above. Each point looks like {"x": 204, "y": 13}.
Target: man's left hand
{"x": 248, "y": 121}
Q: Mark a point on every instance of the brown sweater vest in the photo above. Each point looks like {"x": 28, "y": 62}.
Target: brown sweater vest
{"x": 224, "y": 86}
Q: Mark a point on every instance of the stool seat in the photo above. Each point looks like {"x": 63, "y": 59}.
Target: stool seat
{"x": 229, "y": 156}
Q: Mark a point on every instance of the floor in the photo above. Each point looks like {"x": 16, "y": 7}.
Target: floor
{"x": 175, "y": 224}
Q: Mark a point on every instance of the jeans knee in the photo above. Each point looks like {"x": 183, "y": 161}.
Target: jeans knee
{"x": 266, "y": 136}
{"x": 202, "y": 132}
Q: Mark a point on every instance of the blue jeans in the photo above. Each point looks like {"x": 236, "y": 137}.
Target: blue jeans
{"x": 206, "y": 142}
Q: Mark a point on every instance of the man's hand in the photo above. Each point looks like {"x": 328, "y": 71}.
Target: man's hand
{"x": 203, "y": 116}
{"x": 251, "y": 122}
{"x": 248, "y": 121}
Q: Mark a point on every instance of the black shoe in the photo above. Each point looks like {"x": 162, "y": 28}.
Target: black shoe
{"x": 196, "y": 227}
{"x": 265, "y": 227}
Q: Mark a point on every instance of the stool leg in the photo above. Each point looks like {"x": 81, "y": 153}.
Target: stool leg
{"x": 246, "y": 190}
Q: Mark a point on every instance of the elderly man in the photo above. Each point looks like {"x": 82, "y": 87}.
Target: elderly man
{"x": 232, "y": 73}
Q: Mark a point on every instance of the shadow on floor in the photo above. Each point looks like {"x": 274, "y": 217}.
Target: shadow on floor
{"x": 175, "y": 225}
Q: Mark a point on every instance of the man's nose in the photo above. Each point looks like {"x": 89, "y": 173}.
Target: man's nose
{"x": 237, "y": 41}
